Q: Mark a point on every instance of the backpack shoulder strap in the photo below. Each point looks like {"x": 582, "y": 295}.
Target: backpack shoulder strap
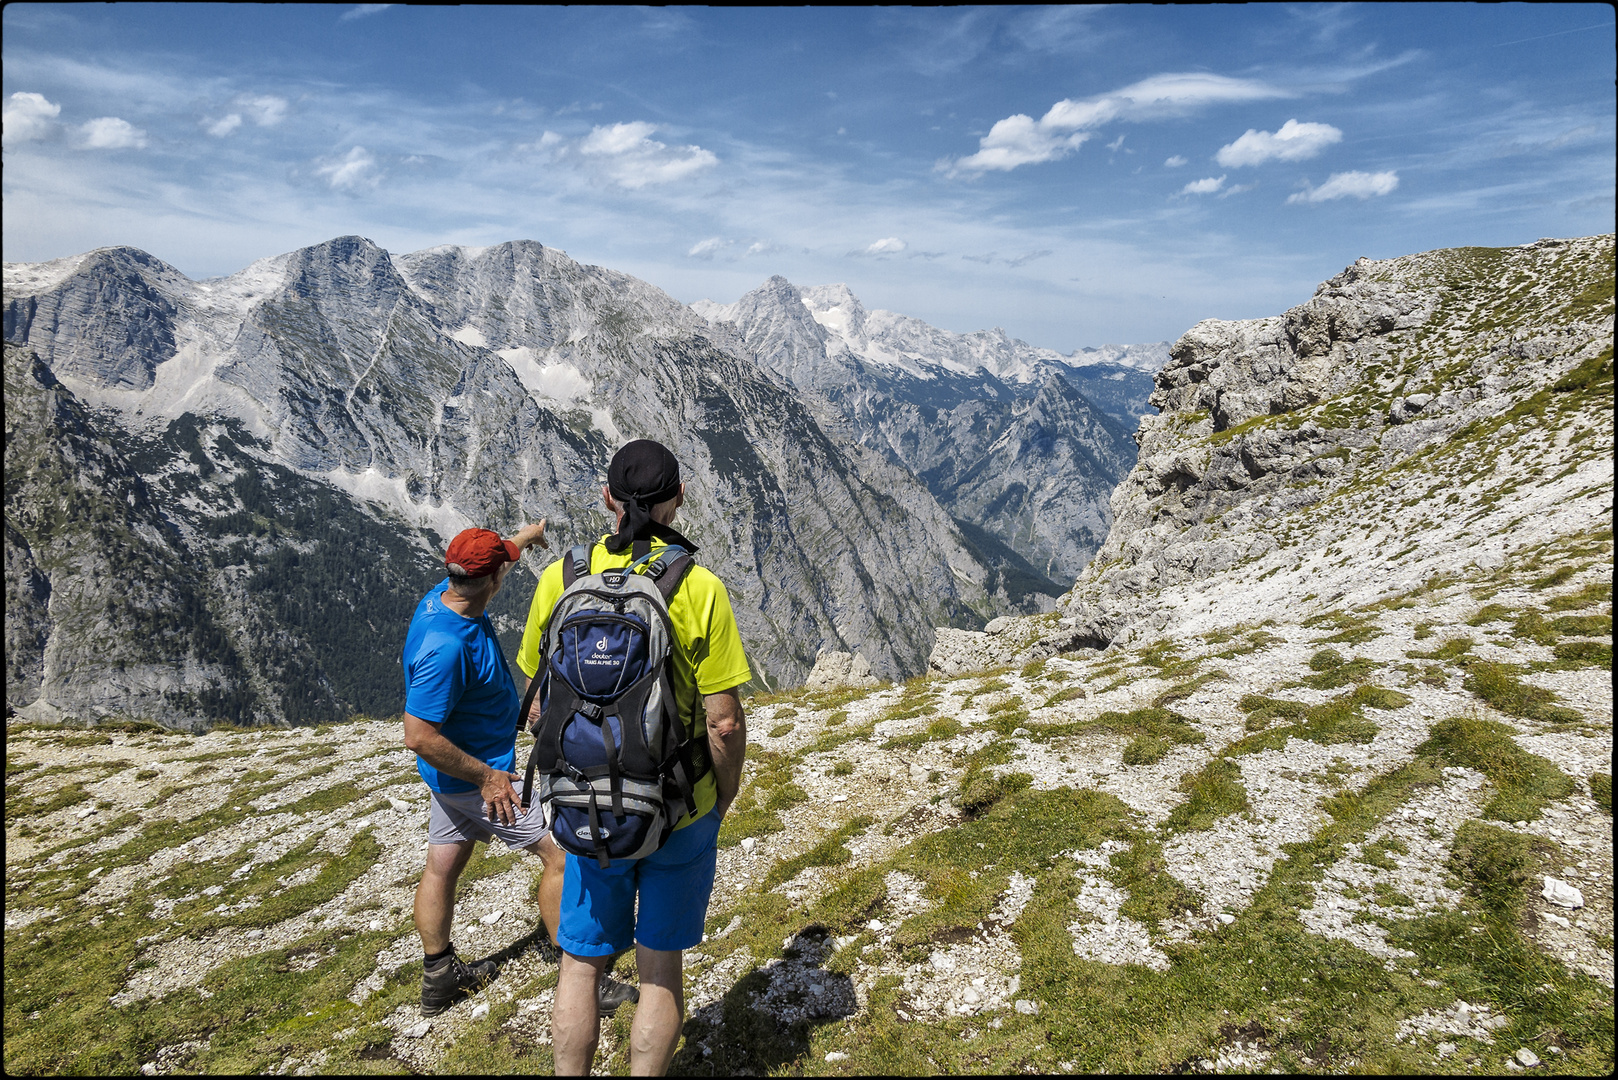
{"x": 577, "y": 564}
{"x": 668, "y": 575}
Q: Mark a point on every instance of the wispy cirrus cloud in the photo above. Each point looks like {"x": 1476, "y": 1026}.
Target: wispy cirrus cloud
{"x": 355, "y": 171}
{"x": 888, "y": 245}
{"x": 27, "y": 116}
{"x": 1358, "y": 185}
{"x": 265, "y": 110}
{"x": 707, "y": 249}
{"x": 1021, "y": 140}
{"x": 1291, "y": 142}
{"x": 359, "y": 11}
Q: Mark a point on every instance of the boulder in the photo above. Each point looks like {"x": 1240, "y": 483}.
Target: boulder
{"x": 840, "y": 669}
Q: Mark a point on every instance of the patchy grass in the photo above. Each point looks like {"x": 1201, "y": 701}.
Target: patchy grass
{"x": 831, "y": 851}
{"x": 1594, "y": 593}
{"x": 1449, "y": 650}
{"x": 1146, "y": 750}
{"x": 1498, "y": 685}
{"x": 1490, "y": 613}
{"x": 1578, "y": 654}
{"x": 1601, "y": 790}
{"x": 1214, "y": 791}
{"x": 1339, "y": 720}
{"x": 1333, "y": 671}
{"x": 945, "y": 727}
{"x": 1067, "y": 693}
{"x": 1524, "y": 782}
{"x": 1180, "y": 691}
{"x": 1484, "y": 954}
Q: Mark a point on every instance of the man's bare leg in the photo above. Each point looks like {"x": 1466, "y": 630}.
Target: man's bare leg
{"x": 549, "y": 896}
{"x": 435, "y": 896}
{"x": 656, "y": 1030}
{"x": 575, "y": 1023}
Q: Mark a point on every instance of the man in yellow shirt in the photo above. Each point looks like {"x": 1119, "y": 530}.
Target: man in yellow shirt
{"x": 599, "y": 916}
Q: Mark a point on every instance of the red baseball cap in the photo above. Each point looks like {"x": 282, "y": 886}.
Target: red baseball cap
{"x": 476, "y": 552}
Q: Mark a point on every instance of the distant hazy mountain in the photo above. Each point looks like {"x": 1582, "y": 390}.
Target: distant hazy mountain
{"x": 1020, "y": 444}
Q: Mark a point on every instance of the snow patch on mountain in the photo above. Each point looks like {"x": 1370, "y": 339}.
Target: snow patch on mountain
{"x": 373, "y": 486}
{"x": 40, "y": 276}
{"x": 545, "y": 382}
{"x": 903, "y": 343}
{"x": 1150, "y": 357}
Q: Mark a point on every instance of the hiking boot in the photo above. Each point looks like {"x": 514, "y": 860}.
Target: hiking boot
{"x": 447, "y": 983}
{"x": 610, "y": 993}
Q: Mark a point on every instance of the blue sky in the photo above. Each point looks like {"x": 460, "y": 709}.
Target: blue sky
{"x": 1074, "y": 175}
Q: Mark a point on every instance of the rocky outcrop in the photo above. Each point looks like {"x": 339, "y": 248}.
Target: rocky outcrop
{"x": 1299, "y": 459}
{"x": 835, "y": 670}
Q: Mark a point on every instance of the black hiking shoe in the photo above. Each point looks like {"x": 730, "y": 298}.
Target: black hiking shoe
{"x": 610, "y": 993}
{"x": 446, "y": 984}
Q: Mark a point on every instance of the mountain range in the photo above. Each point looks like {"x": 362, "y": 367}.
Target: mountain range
{"x": 224, "y": 497}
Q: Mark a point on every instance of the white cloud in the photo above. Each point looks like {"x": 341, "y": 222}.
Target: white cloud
{"x": 224, "y": 125}
{"x": 888, "y": 245}
{"x": 1116, "y": 143}
{"x": 1293, "y": 142}
{"x": 1360, "y": 185}
{"x": 1203, "y": 187}
{"x": 1021, "y": 140}
{"x": 705, "y": 249}
{"x": 356, "y": 169}
{"x": 632, "y": 159}
{"x": 27, "y": 116}
{"x": 359, "y": 11}
{"x": 1175, "y": 162}
{"x": 267, "y": 110}
{"x": 111, "y": 133}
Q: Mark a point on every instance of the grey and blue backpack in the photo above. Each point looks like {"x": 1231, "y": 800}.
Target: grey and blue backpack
{"x": 614, "y": 760}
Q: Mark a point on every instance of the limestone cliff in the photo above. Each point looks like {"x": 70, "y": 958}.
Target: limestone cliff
{"x": 1415, "y": 416}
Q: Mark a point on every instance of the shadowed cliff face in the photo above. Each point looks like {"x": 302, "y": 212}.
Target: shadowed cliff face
{"x": 340, "y": 390}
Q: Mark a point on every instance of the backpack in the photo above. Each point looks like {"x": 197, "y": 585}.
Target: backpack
{"x": 614, "y": 759}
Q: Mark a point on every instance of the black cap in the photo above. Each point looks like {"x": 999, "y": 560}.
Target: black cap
{"x": 643, "y": 474}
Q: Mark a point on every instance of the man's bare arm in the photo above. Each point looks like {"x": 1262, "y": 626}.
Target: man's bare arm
{"x": 428, "y": 743}
{"x": 727, "y": 743}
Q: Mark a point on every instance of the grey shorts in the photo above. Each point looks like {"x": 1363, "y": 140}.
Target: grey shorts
{"x": 456, "y": 819}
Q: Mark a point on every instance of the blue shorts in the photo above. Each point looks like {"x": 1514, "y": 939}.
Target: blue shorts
{"x": 599, "y": 914}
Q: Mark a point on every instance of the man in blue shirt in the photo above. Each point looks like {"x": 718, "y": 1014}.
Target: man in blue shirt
{"x": 460, "y": 719}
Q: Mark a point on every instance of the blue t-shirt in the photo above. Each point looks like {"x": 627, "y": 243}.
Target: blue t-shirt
{"x": 456, "y": 677}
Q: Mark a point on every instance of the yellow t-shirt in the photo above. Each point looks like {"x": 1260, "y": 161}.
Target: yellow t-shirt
{"x": 708, "y": 656}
